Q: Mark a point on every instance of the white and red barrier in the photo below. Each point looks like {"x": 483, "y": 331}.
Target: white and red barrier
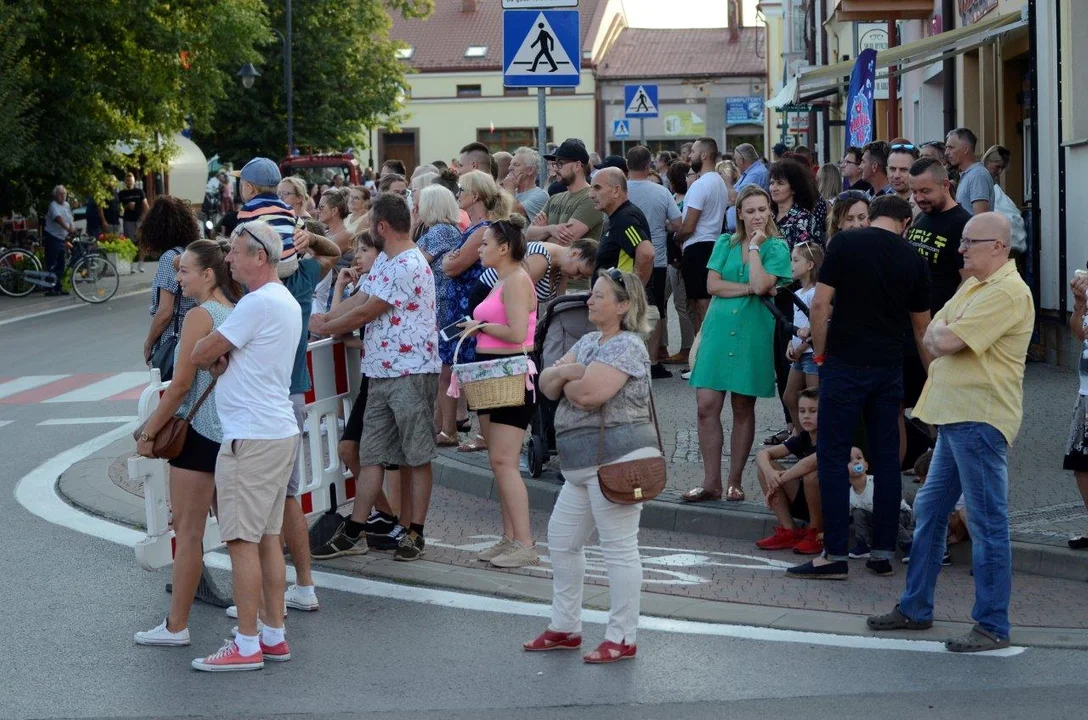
{"x": 326, "y": 484}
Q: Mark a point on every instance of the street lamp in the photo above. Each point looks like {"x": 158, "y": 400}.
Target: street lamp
{"x": 248, "y": 73}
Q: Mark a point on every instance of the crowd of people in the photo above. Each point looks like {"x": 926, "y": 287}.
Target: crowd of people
{"x": 851, "y": 292}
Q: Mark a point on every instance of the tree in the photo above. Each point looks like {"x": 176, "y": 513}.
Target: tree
{"x": 110, "y": 76}
{"x": 346, "y": 79}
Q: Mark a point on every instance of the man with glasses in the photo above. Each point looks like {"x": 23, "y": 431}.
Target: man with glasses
{"x": 974, "y": 396}
{"x": 260, "y": 178}
{"x": 850, "y": 166}
{"x": 568, "y": 215}
{"x": 253, "y": 353}
{"x": 901, "y": 156}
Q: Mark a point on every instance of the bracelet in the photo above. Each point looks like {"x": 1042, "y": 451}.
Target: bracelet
{"x": 753, "y": 247}
{"x": 818, "y": 359}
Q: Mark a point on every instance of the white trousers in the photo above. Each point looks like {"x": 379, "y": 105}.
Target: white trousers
{"x": 579, "y": 509}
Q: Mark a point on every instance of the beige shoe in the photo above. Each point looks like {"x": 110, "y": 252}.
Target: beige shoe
{"x": 517, "y": 555}
{"x": 495, "y": 550}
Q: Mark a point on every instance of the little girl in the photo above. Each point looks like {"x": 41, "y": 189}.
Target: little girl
{"x": 805, "y": 261}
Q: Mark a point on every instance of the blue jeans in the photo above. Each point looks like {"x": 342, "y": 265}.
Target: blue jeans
{"x": 848, "y": 393}
{"x": 970, "y": 457}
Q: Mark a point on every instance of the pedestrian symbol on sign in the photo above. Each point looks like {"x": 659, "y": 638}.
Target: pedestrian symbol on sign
{"x": 546, "y": 42}
{"x": 641, "y": 99}
{"x": 540, "y": 53}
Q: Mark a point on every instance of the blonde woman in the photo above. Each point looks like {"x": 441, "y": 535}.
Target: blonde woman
{"x": 292, "y": 190}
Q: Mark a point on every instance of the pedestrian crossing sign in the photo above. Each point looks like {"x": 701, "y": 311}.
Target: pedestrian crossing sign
{"x": 621, "y": 129}
{"x": 541, "y": 48}
{"x": 640, "y": 101}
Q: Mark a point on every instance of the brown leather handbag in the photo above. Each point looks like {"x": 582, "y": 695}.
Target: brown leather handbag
{"x": 632, "y": 481}
{"x": 170, "y": 439}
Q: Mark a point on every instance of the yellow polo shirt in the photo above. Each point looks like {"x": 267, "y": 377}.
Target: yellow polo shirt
{"x": 984, "y": 382}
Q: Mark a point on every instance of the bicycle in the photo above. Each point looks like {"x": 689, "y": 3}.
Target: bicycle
{"x": 94, "y": 278}
{"x": 21, "y": 272}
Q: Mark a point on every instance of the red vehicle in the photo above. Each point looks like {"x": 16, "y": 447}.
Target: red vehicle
{"x": 321, "y": 168}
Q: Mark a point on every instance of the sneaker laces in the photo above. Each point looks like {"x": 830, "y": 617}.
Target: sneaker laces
{"x": 224, "y": 651}
{"x": 406, "y": 541}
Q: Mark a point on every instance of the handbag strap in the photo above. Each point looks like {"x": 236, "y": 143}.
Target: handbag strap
{"x": 657, "y": 429}
{"x": 203, "y": 397}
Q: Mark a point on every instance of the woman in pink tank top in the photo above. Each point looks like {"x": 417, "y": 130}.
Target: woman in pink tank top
{"x": 507, "y": 322}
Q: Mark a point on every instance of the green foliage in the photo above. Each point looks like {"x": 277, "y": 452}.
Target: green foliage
{"x": 125, "y": 248}
{"x": 18, "y": 120}
{"x": 110, "y": 85}
{"x": 346, "y": 80}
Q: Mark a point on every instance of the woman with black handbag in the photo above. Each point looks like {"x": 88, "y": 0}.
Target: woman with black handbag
{"x": 606, "y": 434}
{"x": 167, "y": 229}
{"x": 205, "y": 279}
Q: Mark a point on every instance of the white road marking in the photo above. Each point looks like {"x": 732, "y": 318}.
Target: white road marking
{"x": 27, "y": 382}
{"x": 66, "y": 308}
{"x": 37, "y": 493}
{"x": 88, "y": 420}
{"x": 6, "y": 422}
{"x": 104, "y": 388}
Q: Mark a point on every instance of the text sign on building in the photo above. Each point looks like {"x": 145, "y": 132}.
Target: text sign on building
{"x": 537, "y": 4}
{"x": 541, "y": 49}
{"x": 745, "y": 110}
{"x": 874, "y": 36}
{"x": 640, "y": 101}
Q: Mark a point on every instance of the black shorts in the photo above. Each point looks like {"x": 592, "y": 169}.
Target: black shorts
{"x": 353, "y": 429}
{"x": 197, "y": 454}
{"x": 799, "y": 505}
{"x": 657, "y": 288}
{"x": 693, "y": 269}
{"x": 518, "y": 416}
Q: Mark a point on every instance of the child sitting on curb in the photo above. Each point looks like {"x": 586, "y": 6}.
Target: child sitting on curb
{"x": 794, "y": 493}
{"x": 861, "y": 507}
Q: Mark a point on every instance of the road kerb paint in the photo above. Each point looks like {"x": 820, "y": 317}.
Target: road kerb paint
{"x": 36, "y": 492}
{"x": 88, "y": 421}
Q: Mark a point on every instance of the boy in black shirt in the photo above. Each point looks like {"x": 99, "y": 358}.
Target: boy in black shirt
{"x": 794, "y": 493}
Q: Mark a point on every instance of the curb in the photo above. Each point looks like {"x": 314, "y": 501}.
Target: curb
{"x": 747, "y": 522}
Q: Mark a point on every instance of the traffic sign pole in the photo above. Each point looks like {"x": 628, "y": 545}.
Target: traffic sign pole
{"x": 542, "y": 137}
{"x": 642, "y": 131}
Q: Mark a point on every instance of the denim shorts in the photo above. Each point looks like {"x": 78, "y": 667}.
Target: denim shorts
{"x": 806, "y": 365}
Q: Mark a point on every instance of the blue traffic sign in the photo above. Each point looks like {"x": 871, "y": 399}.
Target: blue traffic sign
{"x": 541, "y": 49}
{"x": 640, "y": 101}
{"x": 621, "y": 129}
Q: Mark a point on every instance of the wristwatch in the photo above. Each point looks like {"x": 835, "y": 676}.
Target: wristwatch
{"x": 753, "y": 247}
{"x": 144, "y": 437}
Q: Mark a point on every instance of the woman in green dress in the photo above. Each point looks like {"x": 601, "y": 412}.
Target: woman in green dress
{"x": 736, "y": 353}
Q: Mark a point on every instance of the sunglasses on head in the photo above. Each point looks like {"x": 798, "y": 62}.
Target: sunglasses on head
{"x": 259, "y": 241}
{"x": 903, "y": 146}
{"x": 616, "y": 276}
{"x": 854, "y": 195}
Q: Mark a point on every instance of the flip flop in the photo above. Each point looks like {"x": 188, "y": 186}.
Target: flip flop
{"x": 477, "y": 445}
{"x": 700, "y": 494}
{"x": 734, "y": 494}
{"x": 444, "y": 440}
{"x": 778, "y": 438}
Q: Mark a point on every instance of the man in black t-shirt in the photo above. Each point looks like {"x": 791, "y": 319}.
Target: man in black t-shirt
{"x": 937, "y": 230}
{"x": 133, "y": 205}
{"x": 625, "y": 244}
{"x": 878, "y": 284}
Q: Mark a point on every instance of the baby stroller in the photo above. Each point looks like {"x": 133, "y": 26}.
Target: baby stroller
{"x": 564, "y": 322}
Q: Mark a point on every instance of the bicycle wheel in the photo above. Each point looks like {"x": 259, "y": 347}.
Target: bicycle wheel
{"x": 12, "y": 264}
{"x": 94, "y": 279}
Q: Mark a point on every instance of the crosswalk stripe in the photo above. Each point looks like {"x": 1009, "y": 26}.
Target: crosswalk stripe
{"x": 28, "y": 382}
{"x": 6, "y": 422}
{"x": 88, "y": 420}
{"x": 104, "y": 388}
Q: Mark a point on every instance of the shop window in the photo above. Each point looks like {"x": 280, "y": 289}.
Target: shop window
{"x": 469, "y": 91}
{"x": 563, "y": 90}
{"x": 515, "y": 92}
{"x": 509, "y": 139}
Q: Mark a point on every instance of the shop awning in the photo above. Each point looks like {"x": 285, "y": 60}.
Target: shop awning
{"x": 817, "y": 81}
{"x": 784, "y": 96}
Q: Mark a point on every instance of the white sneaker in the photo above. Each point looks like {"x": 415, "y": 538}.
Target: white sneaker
{"x": 686, "y": 375}
{"x": 232, "y": 612}
{"x": 160, "y": 636}
{"x": 295, "y": 598}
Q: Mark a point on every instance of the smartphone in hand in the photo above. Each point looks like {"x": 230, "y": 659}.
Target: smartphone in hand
{"x": 451, "y": 332}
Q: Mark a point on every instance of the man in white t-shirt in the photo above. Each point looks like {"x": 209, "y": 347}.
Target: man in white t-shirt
{"x": 396, "y": 303}
{"x": 704, "y": 215}
{"x": 253, "y": 353}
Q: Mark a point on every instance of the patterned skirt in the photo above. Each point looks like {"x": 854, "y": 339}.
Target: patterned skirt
{"x": 1076, "y": 454}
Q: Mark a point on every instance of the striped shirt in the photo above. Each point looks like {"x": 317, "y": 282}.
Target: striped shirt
{"x": 275, "y": 212}
{"x": 545, "y": 289}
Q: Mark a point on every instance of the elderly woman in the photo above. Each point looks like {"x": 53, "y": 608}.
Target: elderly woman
{"x": 604, "y": 417}
{"x": 736, "y": 355}
{"x": 292, "y": 190}
{"x": 168, "y": 228}
{"x": 205, "y": 280}
{"x": 479, "y": 196}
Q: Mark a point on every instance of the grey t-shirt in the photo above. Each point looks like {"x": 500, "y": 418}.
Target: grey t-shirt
{"x": 657, "y": 205}
{"x": 56, "y": 212}
{"x": 533, "y": 201}
{"x": 975, "y": 184}
{"x": 628, "y": 424}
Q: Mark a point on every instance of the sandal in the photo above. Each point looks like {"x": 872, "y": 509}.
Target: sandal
{"x": 477, "y": 445}
{"x": 464, "y": 425}
{"x": 700, "y": 494}
{"x": 610, "y": 652}
{"x": 734, "y": 494}
{"x": 778, "y": 438}
{"x": 551, "y": 640}
{"x": 978, "y": 640}
{"x": 444, "y": 440}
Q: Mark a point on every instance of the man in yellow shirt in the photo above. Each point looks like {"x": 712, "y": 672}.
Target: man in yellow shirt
{"x": 974, "y": 396}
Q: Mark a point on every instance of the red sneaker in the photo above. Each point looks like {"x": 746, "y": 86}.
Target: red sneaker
{"x": 229, "y": 659}
{"x": 783, "y": 539}
{"x": 276, "y": 653}
{"x": 811, "y": 544}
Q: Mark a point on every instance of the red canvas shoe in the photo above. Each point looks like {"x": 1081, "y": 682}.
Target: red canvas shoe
{"x": 811, "y": 544}
{"x": 783, "y": 539}
{"x": 276, "y": 653}
{"x": 229, "y": 659}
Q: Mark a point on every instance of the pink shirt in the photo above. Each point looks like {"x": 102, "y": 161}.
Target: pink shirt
{"x": 492, "y": 310}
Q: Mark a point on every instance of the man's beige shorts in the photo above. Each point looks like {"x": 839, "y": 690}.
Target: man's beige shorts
{"x": 251, "y": 485}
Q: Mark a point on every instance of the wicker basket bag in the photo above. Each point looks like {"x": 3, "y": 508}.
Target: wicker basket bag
{"x": 494, "y": 383}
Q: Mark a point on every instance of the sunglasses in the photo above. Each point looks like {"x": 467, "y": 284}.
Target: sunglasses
{"x": 259, "y": 241}
{"x": 903, "y": 146}
{"x": 616, "y": 276}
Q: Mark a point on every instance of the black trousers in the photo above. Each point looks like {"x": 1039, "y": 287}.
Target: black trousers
{"x": 54, "y": 257}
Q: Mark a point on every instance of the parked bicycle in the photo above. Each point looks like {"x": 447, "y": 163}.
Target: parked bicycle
{"x": 21, "y": 272}
{"x": 94, "y": 278}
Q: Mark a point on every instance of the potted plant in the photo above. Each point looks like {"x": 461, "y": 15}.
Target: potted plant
{"x": 119, "y": 250}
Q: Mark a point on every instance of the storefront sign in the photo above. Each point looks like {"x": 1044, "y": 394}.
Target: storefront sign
{"x": 859, "y": 101}
{"x": 874, "y": 36}
{"x": 684, "y": 123}
{"x": 746, "y": 110}
{"x": 972, "y": 10}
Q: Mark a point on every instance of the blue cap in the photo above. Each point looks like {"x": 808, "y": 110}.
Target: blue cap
{"x": 261, "y": 171}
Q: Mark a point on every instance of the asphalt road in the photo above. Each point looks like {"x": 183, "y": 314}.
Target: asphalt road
{"x": 69, "y": 604}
